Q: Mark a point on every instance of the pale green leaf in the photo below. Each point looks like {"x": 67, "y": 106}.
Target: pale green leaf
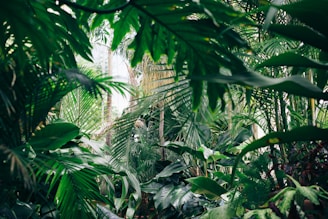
{"x": 223, "y": 212}
{"x": 286, "y": 202}
{"x": 261, "y": 214}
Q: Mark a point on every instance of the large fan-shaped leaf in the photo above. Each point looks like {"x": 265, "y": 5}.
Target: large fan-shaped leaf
{"x": 194, "y": 33}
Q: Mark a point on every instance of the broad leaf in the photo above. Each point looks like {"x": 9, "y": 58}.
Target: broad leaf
{"x": 179, "y": 149}
{"x": 284, "y": 199}
{"x": 294, "y": 84}
{"x": 81, "y": 188}
{"x": 310, "y": 12}
{"x": 292, "y": 59}
{"x": 287, "y": 201}
{"x": 162, "y": 197}
{"x": 302, "y": 33}
{"x": 206, "y": 186}
{"x": 170, "y": 170}
{"x": 261, "y": 214}
{"x": 223, "y": 212}
{"x": 54, "y": 136}
{"x": 211, "y": 155}
{"x": 306, "y": 191}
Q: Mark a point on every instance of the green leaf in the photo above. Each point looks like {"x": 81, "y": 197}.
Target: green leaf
{"x": 211, "y": 155}
{"x": 306, "y": 191}
{"x": 197, "y": 87}
{"x": 170, "y": 170}
{"x": 192, "y": 35}
{"x": 295, "y": 84}
{"x": 202, "y": 153}
{"x": 321, "y": 78}
{"x": 311, "y": 12}
{"x": 214, "y": 91}
{"x": 223, "y": 212}
{"x": 180, "y": 195}
{"x": 142, "y": 42}
{"x": 286, "y": 202}
{"x": 306, "y": 133}
{"x": 118, "y": 202}
{"x": 162, "y": 197}
{"x": 302, "y": 33}
{"x": 128, "y": 19}
{"x": 179, "y": 149}
{"x": 322, "y": 75}
{"x": 54, "y": 136}
{"x": 206, "y": 186}
{"x": 284, "y": 199}
{"x": 222, "y": 176}
{"x": 261, "y": 214}
{"x": 292, "y": 59}
{"x": 151, "y": 187}
{"x": 80, "y": 188}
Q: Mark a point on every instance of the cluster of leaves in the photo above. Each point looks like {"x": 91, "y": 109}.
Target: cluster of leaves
{"x": 46, "y": 172}
{"x": 170, "y": 195}
{"x": 202, "y": 40}
{"x": 148, "y": 21}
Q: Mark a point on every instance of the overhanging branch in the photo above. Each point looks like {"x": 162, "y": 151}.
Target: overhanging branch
{"x": 94, "y": 10}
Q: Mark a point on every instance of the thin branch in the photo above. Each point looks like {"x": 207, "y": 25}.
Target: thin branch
{"x": 94, "y": 10}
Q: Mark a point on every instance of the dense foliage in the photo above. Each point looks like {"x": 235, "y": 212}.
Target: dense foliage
{"x": 188, "y": 149}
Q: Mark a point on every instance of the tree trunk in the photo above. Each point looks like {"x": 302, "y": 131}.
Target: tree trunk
{"x": 108, "y": 114}
{"x": 134, "y": 83}
{"x": 311, "y": 104}
{"x": 161, "y": 129}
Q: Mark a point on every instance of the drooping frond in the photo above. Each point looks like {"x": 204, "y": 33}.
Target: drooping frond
{"x": 86, "y": 111}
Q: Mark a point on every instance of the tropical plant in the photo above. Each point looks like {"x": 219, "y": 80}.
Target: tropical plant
{"x": 46, "y": 170}
{"x": 170, "y": 196}
{"x": 210, "y": 45}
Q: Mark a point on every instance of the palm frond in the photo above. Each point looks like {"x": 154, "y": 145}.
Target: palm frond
{"x": 16, "y": 167}
{"x": 30, "y": 26}
{"x": 72, "y": 173}
{"x": 83, "y": 109}
{"x": 187, "y": 33}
